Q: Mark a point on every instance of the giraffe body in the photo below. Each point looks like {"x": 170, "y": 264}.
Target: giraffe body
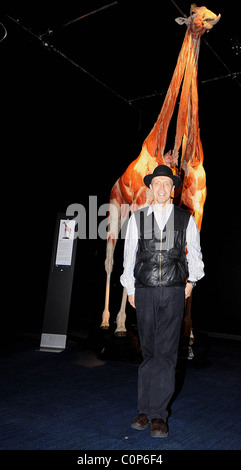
{"x": 129, "y": 191}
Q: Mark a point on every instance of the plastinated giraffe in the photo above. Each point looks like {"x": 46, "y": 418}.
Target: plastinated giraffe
{"x": 129, "y": 192}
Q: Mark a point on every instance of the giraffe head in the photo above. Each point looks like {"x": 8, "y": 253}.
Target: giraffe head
{"x": 200, "y": 20}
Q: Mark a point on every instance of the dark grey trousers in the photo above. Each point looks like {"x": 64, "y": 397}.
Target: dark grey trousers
{"x": 159, "y": 315}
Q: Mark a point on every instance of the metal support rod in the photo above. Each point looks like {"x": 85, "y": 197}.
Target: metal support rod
{"x": 50, "y": 32}
{"x": 89, "y": 14}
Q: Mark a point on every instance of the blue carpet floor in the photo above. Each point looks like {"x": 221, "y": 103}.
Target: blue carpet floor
{"x": 76, "y": 401}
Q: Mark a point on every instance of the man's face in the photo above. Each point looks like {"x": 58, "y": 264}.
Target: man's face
{"x": 162, "y": 187}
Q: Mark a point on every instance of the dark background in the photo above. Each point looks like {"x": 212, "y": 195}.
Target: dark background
{"x": 69, "y": 130}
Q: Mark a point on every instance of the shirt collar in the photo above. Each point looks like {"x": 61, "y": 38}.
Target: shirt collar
{"x": 152, "y": 209}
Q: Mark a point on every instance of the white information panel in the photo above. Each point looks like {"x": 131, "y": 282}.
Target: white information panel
{"x": 65, "y": 243}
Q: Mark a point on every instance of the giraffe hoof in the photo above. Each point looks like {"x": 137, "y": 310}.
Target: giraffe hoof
{"x": 121, "y": 333}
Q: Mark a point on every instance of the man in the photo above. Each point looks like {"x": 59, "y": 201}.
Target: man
{"x": 162, "y": 263}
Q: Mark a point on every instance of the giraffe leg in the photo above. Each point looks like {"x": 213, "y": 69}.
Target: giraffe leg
{"x": 108, "y": 268}
{"x": 118, "y": 213}
{"x": 106, "y": 313}
{"x": 187, "y": 317}
{"x": 121, "y": 317}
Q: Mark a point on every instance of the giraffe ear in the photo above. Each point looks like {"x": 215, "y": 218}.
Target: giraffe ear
{"x": 181, "y": 20}
{"x": 173, "y": 191}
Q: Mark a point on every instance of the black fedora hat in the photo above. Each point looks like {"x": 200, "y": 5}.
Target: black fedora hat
{"x": 162, "y": 170}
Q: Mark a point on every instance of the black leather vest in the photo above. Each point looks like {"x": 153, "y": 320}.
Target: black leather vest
{"x": 161, "y": 255}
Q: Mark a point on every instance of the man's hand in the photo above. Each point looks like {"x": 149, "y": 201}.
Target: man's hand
{"x": 188, "y": 290}
{"x": 131, "y": 299}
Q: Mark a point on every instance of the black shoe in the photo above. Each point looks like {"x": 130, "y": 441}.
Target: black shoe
{"x": 159, "y": 428}
{"x": 141, "y": 422}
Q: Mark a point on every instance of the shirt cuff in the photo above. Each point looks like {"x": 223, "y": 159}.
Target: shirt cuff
{"x": 131, "y": 291}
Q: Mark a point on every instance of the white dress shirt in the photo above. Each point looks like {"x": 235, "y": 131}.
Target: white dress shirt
{"x": 194, "y": 255}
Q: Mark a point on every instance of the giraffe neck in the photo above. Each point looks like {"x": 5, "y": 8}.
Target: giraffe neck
{"x": 187, "y": 60}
